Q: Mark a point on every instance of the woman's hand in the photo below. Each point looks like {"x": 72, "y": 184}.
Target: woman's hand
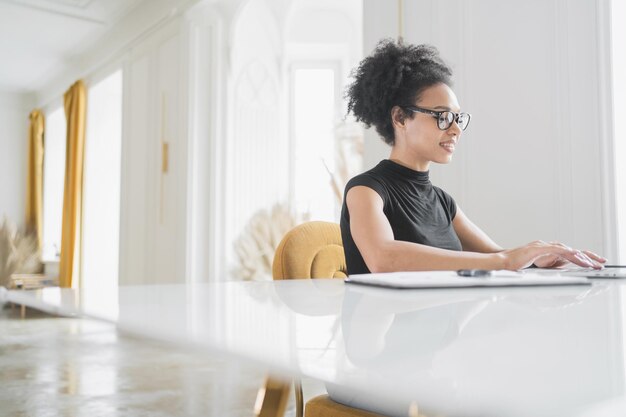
{"x": 549, "y": 255}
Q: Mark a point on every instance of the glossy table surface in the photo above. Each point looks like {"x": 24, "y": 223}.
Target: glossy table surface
{"x": 537, "y": 351}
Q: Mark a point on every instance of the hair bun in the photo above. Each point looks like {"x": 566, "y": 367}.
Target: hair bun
{"x": 394, "y": 74}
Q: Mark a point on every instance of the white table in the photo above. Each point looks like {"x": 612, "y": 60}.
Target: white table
{"x": 543, "y": 351}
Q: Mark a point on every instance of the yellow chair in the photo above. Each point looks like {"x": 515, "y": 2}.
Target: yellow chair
{"x": 314, "y": 250}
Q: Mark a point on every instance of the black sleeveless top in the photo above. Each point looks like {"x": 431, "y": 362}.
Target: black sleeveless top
{"x": 417, "y": 211}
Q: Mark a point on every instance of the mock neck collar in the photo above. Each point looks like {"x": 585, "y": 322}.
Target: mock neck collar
{"x": 422, "y": 177}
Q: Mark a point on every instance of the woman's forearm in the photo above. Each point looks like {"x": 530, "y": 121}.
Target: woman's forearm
{"x": 407, "y": 256}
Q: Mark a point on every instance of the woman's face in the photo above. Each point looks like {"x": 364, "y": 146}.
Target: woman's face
{"x": 420, "y": 140}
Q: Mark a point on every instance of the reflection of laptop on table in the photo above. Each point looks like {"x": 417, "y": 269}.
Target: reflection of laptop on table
{"x": 452, "y": 279}
{"x": 609, "y": 271}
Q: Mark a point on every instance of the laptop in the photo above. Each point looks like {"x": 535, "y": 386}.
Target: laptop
{"x": 609, "y": 272}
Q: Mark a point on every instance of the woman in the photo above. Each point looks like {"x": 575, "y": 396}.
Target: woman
{"x": 393, "y": 218}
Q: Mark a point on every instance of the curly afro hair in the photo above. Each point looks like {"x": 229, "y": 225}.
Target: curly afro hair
{"x": 394, "y": 74}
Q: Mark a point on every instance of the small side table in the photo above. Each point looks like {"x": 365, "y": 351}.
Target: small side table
{"x": 30, "y": 282}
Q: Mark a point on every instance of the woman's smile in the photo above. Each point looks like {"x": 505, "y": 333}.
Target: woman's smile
{"x": 448, "y": 145}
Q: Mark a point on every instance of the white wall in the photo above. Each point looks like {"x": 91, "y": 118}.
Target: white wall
{"x": 153, "y": 231}
{"x": 529, "y": 166}
{"x": 14, "y": 111}
{"x": 619, "y": 108}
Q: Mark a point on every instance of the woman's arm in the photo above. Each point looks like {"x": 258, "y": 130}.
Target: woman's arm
{"x": 472, "y": 238}
{"x": 374, "y": 238}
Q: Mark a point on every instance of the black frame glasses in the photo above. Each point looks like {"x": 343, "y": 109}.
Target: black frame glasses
{"x": 444, "y": 118}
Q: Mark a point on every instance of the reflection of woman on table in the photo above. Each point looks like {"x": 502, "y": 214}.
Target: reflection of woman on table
{"x": 376, "y": 328}
{"x": 432, "y": 345}
{"x": 393, "y": 218}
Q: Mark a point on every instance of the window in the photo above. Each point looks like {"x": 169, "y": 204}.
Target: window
{"x": 314, "y": 99}
{"x": 101, "y": 195}
{"x": 53, "y": 183}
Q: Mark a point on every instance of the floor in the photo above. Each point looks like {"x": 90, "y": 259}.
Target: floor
{"x": 51, "y": 366}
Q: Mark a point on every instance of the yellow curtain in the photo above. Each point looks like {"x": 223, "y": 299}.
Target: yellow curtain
{"x": 34, "y": 186}
{"x": 75, "y": 100}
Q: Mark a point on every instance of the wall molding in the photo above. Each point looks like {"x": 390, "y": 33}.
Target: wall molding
{"x": 562, "y": 108}
{"x": 607, "y": 134}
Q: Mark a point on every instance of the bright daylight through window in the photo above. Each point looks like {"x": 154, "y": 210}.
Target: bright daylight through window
{"x": 314, "y": 112}
{"x": 101, "y": 194}
{"x": 54, "y": 174}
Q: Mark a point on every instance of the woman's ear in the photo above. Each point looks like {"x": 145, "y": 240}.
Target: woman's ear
{"x": 398, "y": 117}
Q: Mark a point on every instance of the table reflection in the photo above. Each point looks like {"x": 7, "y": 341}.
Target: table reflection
{"x": 480, "y": 349}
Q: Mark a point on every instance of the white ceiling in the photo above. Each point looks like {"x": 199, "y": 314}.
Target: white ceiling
{"x": 39, "y": 37}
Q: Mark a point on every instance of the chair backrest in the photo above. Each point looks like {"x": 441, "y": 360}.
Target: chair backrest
{"x": 310, "y": 250}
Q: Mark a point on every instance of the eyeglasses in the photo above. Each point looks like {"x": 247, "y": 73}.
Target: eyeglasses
{"x": 444, "y": 118}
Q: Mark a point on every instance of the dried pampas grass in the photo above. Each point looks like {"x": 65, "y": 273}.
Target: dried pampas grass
{"x": 256, "y": 246}
{"x": 19, "y": 252}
